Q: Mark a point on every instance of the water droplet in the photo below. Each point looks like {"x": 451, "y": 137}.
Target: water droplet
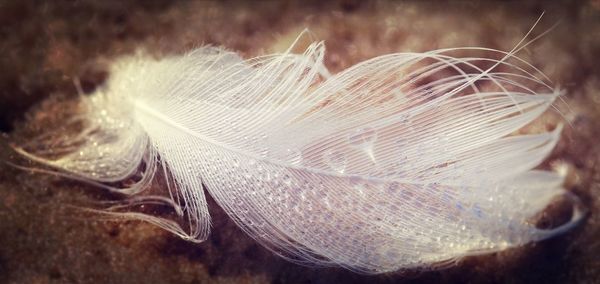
{"x": 398, "y": 93}
{"x": 264, "y": 152}
{"x": 392, "y": 255}
{"x": 260, "y": 169}
{"x": 293, "y": 156}
{"x": 459, "y": 206}
{"x": 358, "y": 184}
{"x": 435, "y": 143}
{"x": 393, "y": 187}
{"x": 336, "y": 160}
{"x": 362, "y": 137}
{"x": 355, "y": 179}
{"x": 405, "y": 118}
{"x": 477, "y": 210}
{"x": 234, "y": 126}
{"x": 265, "y": 176}
{"x": 362, "y": 95}
{"x": 403, "y": 142}
{"x": 287, "y": 179}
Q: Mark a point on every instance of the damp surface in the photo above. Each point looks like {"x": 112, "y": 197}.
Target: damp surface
{"x": 46, "y": 47}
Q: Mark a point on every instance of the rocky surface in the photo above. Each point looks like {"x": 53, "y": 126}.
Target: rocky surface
{"x": 45, "y": 46}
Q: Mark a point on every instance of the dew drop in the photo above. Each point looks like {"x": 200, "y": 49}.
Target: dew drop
{"x": 293, "y": 156}
{"x": 354, "y": 179}
{"x": 234, "y": 126}
{"x": 252, "y": 163}
{"x": 393, "y": 187}
{"x": 287, "y": 179}
{"x": 403, "y": 142}
{"x": 362, "y": 137}
{"x": 392, "y": 255}
{"x": 358, "y": 184}
{"x": 264, "y": 152}
{"x": 398, "y": 93}
{"x": 336, "y": 160}
{"x": 405, "y": 119}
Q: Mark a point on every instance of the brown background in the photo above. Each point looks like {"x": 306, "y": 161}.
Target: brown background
{"x": 43, "y": 46}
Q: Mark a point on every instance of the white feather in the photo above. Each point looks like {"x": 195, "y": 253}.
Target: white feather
{"x": 401, "y": 161}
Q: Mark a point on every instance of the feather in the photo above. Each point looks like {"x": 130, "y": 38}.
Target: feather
{"x": 404, "y": 160}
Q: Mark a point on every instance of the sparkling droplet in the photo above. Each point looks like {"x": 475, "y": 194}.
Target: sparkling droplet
{"x": 392, "y": 255}
{"x": 362, "y": 137}
{"x": 354, "y": 179}
{"x": 287, "y": 179}
{"x": 359, "y": 184}
{"x": 252, "y": 163}
{"x": 293, "y": 156}
{"x": 403, "y": 142}
{"x": 398, "y": 93}
{"x": 393, "y": 187}
{"x": 264, "y": 152}
{"x": 234, "y": 126}
{"x": 405, "y": 119}
{"x": 336, "y": 160}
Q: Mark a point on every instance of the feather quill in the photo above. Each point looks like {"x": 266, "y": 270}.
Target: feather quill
{"x": 404, "y": 160}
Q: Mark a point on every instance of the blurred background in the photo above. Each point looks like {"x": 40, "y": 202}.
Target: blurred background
{"x": 45, "y": 45}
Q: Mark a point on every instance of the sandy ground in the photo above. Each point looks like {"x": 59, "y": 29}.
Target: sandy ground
{"x": 44, "y": 46}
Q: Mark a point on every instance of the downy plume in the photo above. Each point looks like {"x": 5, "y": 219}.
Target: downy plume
{"x": 404, "y": 160}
